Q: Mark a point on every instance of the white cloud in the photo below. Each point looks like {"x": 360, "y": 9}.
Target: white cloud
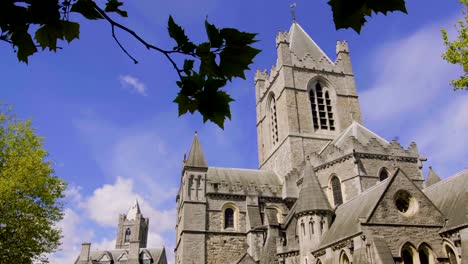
{"x": 107, "y": 202}
{"x": 444, "y": 137}
{"x": 133, "y": 83}
{"x": 408, "y": 73}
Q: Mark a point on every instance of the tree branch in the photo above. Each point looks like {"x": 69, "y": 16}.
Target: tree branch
{"x": 137, "y": 37}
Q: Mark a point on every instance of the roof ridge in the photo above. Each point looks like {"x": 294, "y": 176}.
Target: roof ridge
{"x": 458, "y": 174}
{"x": 365, "y": 192}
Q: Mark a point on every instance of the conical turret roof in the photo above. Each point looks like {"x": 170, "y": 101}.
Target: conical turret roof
{"x": 432, "y": 178}
{"x": 133, "y": 211}
{"x": 196, "y": 158}
{"x": 301, "y": 43}
{"x": 311, "y": 197}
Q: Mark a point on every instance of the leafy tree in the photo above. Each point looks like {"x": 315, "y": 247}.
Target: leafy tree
{"x": 29, "y": 194}
{"x": 457, "y": 50}
{"x": 208, "y": 66}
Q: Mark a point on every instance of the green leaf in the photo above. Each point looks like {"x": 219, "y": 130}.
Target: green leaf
{"x": 352, "y": 14}
{"x": 216, "y": 40}
{"x": 188, "y": 66}
{"x": 114, "y": 6}
{"x": 214, "y": 105}
{"x": 25, "y": 44}
{"x": 48, "y": 34}
{"x": 235, "y": 60}
{"x": 86, "y": 8}
{"x": 185, "y": 104}
{"x": 177, "y": 33}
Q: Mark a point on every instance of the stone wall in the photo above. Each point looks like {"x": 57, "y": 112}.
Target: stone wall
{"x": 224, "y": 248}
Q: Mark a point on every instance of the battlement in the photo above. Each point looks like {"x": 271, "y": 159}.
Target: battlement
{"x": 261, "y": 75}
{"x": 282, "y": 37}
{"x": 342, "y": 46}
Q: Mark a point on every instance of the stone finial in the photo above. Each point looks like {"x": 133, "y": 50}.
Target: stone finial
{"x": 342, "y": 46}
{"x": 432, "y": 178}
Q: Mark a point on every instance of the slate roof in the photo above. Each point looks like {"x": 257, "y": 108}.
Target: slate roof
{"x": 196, "y": 158}
{"x": 242, "y": 176}
{"x": 155, "y": 253}
{"x": 432, "y": 178}
{"x": 347, "y": 215}
{"x": 382, "y": 250}
{"x": 311, "y": 197}
{"x": 133, "y": 211}
{"x": 301, "y": 44}
{"x": 360, "y": 132}
{"x": 451, "y": 197}
{"x": 253, "y": 215}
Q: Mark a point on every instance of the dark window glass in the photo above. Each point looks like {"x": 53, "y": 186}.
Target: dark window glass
{"x": 336, "y": 188}
{"x": 127, "y": 235}
{"x": 451, "y": 255}
{"x": 407, "y": 257}
{"x": 228, "y": 218}
{"x": 423, "y": 257}
{"x": 383, "y": 174}
{"x": 274, "y": 120}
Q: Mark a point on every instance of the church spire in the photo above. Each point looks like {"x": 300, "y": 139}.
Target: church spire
{"x": 134, "y": 211}
{"x": 301, "y": 44}
{"x": 196, "y": 158}
{"x": 432, "y": 178}
{"x": 311, "y": 197}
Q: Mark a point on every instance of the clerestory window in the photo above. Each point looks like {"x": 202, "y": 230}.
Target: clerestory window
{"x": 383, "y": 174}
{"x": 321, "y": 106}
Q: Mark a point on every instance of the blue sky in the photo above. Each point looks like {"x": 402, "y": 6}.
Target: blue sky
{"x": 113, "y": 133}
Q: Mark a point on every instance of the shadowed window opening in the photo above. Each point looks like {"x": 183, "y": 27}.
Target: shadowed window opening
{"x": 336, "y": 188}
{"x": 451, "y": 255}
{"x": 127, "y": 235}
{"x": 228, "y": 218}
{"x": 407, "y": 257}
{"x": 383, "y": 174}
{"x": 321, "y": 106}
{"x": 274, "y": 121}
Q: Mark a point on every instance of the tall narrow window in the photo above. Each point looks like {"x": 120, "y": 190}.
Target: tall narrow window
{"x": 407, "y": 257}
{"x": 451, "y": 255}
{"x": 274, "y": 120}
{"x": 229, "y": 218}
{"x": 321, "y": 106}
{"x": 344, "y": 259}
{"x": 336, "y": 189}
{"x": 311, "y": 228}
{"x": 383, "y": 174}
{"x": 127, "y": 235}
{"x": 190, "y": 186}
{"x": 331, "y": 121}
{"x": 303, "y": 229}
{"x": 423, "y": 257}
{"x": 313, "y": 105}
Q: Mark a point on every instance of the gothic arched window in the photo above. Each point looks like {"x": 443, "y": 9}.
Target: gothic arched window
{"x": 273, "y": 120}
{"x": 336, "y": 189}
{"x": 407, "y": 256}
{"x": 229, "y": 218}
{"x": 344, "y": 259}
{"x": 127, "y": 235}
{"x": 383, "y": 174}
{"x": 451, "y": 255}
{"x": 303, "y": 229}
{"x": 322, "y": 112}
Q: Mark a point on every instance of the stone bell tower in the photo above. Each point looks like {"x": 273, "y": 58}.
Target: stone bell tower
{"x": 133, "y": 227}
{"x": 304, "y": 102}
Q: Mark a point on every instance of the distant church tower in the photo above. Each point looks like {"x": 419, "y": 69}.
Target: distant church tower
{"x": 304, "y": 102}
{"x": 132, "y": 227}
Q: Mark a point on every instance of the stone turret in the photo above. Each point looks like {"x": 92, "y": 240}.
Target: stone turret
{"x": 133, "y": 226}
{"x": 313, "y": 212}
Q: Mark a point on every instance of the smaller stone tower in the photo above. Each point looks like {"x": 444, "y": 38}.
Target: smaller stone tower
{"x": 191, "y": 208}
{"x": 313, "y": 214}
{"x": 133, "y": 227}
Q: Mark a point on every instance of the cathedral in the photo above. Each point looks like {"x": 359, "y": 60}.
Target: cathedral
{"x": 327, "y": 191}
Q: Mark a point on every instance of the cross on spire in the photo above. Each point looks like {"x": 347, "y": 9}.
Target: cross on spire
{"x": 293, "y": 11}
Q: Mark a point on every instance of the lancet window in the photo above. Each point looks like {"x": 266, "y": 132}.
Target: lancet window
{"x": 273, "y": 120}
{"x": 321, "y": 105}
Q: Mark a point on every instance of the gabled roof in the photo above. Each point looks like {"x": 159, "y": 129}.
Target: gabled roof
{"x": 157, "y": 254}
{"x": 349, "y": 214}
{"x": 311, "y": 197}
{"x": 133, "y": 211}
{"x": 301, "y": 44}
{"x": 196, "y": 158}
{"x": 358, "y": 131}
{"x": 451, "y": 197}
{"x": 432, "y": 178}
